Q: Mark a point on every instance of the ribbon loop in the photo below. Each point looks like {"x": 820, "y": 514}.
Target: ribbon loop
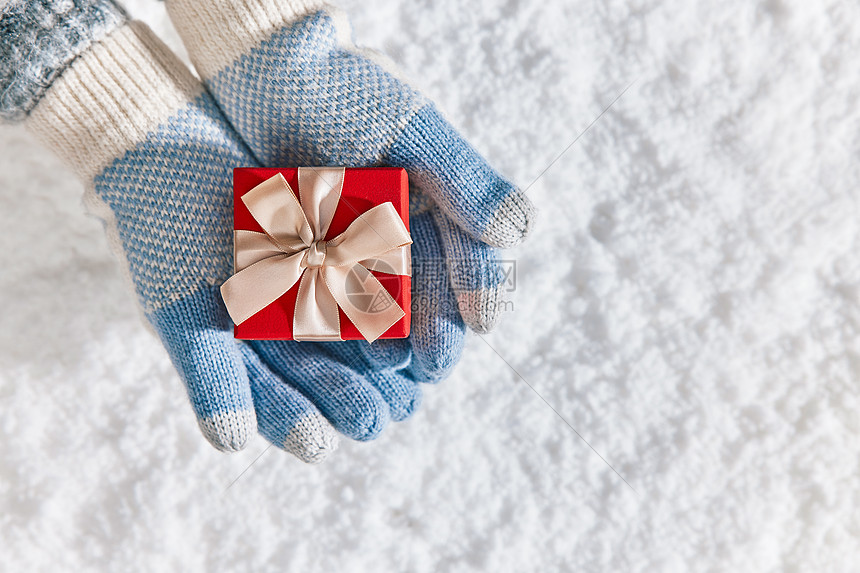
{"x": 293, "y": 249}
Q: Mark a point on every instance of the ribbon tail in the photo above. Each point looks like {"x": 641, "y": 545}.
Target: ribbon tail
{"x": 363, "y": 299}
{"x": 316, "y": 316}
{"x": 252, "y": 289}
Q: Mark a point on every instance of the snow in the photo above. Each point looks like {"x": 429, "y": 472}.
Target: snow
{"x": 689, "y": 302}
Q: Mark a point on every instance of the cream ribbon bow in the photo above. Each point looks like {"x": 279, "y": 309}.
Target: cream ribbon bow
{"x": 293, "y": 248}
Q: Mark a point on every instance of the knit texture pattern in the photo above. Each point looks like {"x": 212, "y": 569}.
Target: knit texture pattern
{"x": 39, "y": 38}
{"x": 341, "y": 108}
{"x": 322, "y": 104}
{"x": 306, "y": 95}
{"x": 463, "y": 184}
{"x": 172, "y": 207}
{"x": 359, "y": 386}
{"x": 402, "y": 396}
{"x": 165, "y": 197}
{"x": 223, "y": 30}
{"x": 158, "y": 154}
{"x": 437, "y": 326}
{"x": 477, "y": 275}
{"x": 688, "y": 300}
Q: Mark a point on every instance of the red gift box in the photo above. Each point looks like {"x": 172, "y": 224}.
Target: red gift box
{"x": 363, "y": 189}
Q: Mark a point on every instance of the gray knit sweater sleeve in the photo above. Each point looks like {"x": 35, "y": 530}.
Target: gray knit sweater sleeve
{"x": 39, "y": 39}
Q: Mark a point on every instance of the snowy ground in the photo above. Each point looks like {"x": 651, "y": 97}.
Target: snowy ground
{"x": 690, "y": 303}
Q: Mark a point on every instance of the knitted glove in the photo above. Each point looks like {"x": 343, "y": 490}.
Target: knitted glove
{"x": 156, "y": 156}
{"x": 291, "y": 82}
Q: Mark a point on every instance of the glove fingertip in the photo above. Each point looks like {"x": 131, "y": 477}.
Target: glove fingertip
{"x": 348, "y": 401}
{"x": 195, "y": 332}
{"x": 511, "y": 222}
{"x": 229, "y": 431}
{"x": 312, "y": 439}
{"x": 287, "y": 418}
{"x": 481, "y": 309}
{"x": 437, "y": 352}
{"x": 478, "y": 276}
{"x": 483, "y": 203}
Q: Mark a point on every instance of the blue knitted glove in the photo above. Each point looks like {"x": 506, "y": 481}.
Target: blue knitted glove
{"x": 157, "y": 156}
{"x": 299, "y": 93}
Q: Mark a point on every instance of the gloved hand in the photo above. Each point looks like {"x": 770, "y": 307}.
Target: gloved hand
{"x": 358, "y": 387}
{"x": 156, "y": 155}
{"x": 300, "y": 93}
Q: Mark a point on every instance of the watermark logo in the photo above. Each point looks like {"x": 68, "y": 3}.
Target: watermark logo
{"x": 497, "y": 272}
{"x": 360, "y": 292}
{"x": 434, "y": 271}
{"x": 508, "y": 268}
{"x": 493, "y": 274}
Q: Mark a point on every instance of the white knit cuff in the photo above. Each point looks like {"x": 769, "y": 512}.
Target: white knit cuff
{"x": 217, "y": 32}
{"x": 110, "y": 98}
